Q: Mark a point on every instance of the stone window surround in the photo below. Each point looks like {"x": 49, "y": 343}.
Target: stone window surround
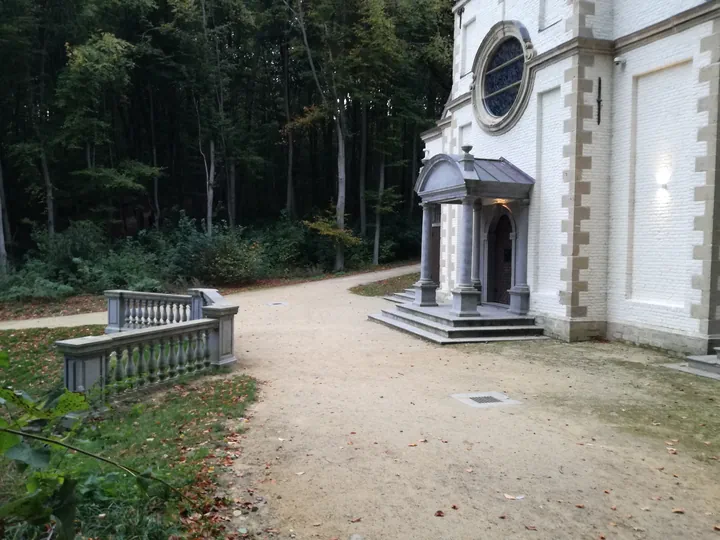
{"x": 497, "y": 34}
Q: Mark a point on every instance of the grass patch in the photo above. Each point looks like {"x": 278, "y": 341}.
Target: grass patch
{"x": 35, "y": 308}
{"x": 386, "y": 286}
{"x": 185, "y": 434}
{"x": 642, "y": 396}
{"x": 35, "y": 366}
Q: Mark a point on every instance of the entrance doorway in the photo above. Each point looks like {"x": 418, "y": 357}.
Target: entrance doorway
{"x": 500, "y": 261}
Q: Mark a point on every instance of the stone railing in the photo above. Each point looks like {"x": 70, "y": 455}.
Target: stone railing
{"x": 131, "y": 310}
{"x": 120, "y": 362}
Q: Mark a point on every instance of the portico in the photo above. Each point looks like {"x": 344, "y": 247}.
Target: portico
{"x": 492, "y": 232}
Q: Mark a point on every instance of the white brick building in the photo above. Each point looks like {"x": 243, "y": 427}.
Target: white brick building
{"x": 611, "y": 107}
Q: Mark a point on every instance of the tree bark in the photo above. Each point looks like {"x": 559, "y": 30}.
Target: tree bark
{"x": 363, "y": 169}
{"x": 378, "y": 212}
{"x": 156, "y": 180}
{"x": 5, "y": 222}
{"x": 210, "y": 189}
{"x": 3, "y": 218}
{"x": 289, "y": 194}
{"x": 340, "y": 209}
{"x": 231, "y": 194}
{"x": 49, "y": 193}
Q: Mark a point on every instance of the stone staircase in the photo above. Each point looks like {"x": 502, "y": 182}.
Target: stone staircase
{"x": 708, "y": 363}
{"x": 436, "y": 324}
{"x": 408, "y": 295}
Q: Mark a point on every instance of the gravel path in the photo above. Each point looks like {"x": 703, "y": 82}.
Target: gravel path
{"x": 356, "y": 433}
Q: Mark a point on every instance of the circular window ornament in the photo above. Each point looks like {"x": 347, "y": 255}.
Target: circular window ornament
{"x": 501, "y": 76}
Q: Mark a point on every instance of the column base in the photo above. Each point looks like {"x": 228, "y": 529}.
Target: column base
{"x": 465, "y": 302}
{"x": 477, "y": 285}
{"x": 519, "y": 300}
{"x": 425, "y": 293}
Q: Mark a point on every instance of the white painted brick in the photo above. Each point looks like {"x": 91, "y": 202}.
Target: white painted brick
{"x": 663, "y": 257}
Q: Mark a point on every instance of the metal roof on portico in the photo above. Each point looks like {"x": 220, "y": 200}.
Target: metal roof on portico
{"x": 449, "y": 178}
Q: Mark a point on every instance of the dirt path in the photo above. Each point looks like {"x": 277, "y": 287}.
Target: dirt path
{"x": 334, "y": 446}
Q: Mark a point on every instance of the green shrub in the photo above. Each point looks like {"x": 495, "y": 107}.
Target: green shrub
{"x": 231, "y": 259}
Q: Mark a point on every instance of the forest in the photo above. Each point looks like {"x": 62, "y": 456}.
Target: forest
{"x": 151, "y": 143}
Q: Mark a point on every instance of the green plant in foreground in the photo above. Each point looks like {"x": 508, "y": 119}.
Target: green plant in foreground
{"x": 29, "y": 437}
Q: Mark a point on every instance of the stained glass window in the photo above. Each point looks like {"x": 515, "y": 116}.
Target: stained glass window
{"x": 503, "y": 77}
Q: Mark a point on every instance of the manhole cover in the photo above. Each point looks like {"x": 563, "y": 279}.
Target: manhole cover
{"x": 485, "y": 399}
{"x": 482, "y": 400}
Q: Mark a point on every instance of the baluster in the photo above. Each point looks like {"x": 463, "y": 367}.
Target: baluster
{"x": 131, "y": 368}
{"x": 199, "y": 351}
{"x": 172, "y": 357}
{"x": 172, "y": 318}
{"x": 152, "y": 362}
{"x": 131, "y": 318}
{"x": 186, "y": 312}
{"x": 119, "y": 370}
{"x": 141, "y": 364}
{"x": 153, "y": 312}
{"x": 107, "y": 378}
{"x": 182, "y": 355}
{"x": 206, "y": 349}
{"x": 163, "y": 312}
{"x": 165, "y": 356}
{"x": 192, "y": 364}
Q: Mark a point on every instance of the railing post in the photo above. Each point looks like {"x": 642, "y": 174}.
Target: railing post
{"x": 84, "y": 362}
{"x": 116, "y": 311}
{"x": 221, "y": 338}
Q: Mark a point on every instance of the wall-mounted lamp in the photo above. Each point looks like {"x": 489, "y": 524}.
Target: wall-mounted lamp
{"x": 663, "y": 176}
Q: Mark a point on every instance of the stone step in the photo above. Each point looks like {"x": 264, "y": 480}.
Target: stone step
{"x": 440, "y": 340}
{"x": 394, "y": 299}
{"x": 446, "y": 331}
{"x": 463, "y": 322}
{"x": 709, "y": 363}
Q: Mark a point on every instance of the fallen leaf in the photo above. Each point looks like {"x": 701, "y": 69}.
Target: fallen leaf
{"x": 607, "y": 491}
{"x": 601, "y": 537}
{"x": 317, "y": 524}
{"x": 439, "y": 513}
{"x": 612, "y": 524}
{"x": 675, "y": 475}
{"x": 102, "y": 516}
{"x": 504, "y": 516}
{"x": 716, "y": 528}
{"x": 579, "y": 506}
{"x": 443, "y": 440}
{"x": 661, "y": 468}
{"x": 468, "y": 470}
{"x": 678, "y": 510}
{"x": 613, "y": 507}
{"x": 356, "y": 520}
{"x": 412, "y": 444}
{"x": 671, "y": 450}
{"x": 454, "y": 507}
{"x": 423, "y": 440}
{"x": 353, "y": 433}
{"x": 531, "y": 527}
{"x": 510, "y": 497}
{"x": 645, "y": 509}
{"x": 300, "y": 473}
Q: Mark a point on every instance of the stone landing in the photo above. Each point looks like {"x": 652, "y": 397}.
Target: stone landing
{"x": 436, "y": 324}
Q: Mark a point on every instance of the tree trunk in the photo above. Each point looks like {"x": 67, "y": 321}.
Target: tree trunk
{"x": 289, "y": 194}
{"x": 156, "y": 179}
{"x": 363, "y": 169}
{"x": 210, "y": 189}
{"x": 231, "y": 194}
{"x": 378, "y": 212}
{"x": 413, "y": 171}
{"x": 340, "y": 209}
{"x": 49, "y": 194}
{"x": 5, "y": 222}
{"x": 3, "y": 250}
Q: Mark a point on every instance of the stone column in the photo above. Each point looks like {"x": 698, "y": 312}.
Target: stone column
{"x": 116, "y": 311}
{"x": 477, "y": 248}
{"x": 520, "y": 292}
{"x": 464, "y": 295}
{"x": 426, "y": 287}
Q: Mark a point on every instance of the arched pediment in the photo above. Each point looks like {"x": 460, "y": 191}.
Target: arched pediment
{"x": 450, "y": 178}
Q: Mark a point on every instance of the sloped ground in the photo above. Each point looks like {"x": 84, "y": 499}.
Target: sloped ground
{"x": 336, "y": 447}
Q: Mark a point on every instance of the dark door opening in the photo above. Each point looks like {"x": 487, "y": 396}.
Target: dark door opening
{"x": 500, "y": 262}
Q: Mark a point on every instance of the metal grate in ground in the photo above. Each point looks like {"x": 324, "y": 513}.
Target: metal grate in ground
{"x": 481, "y": 400}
